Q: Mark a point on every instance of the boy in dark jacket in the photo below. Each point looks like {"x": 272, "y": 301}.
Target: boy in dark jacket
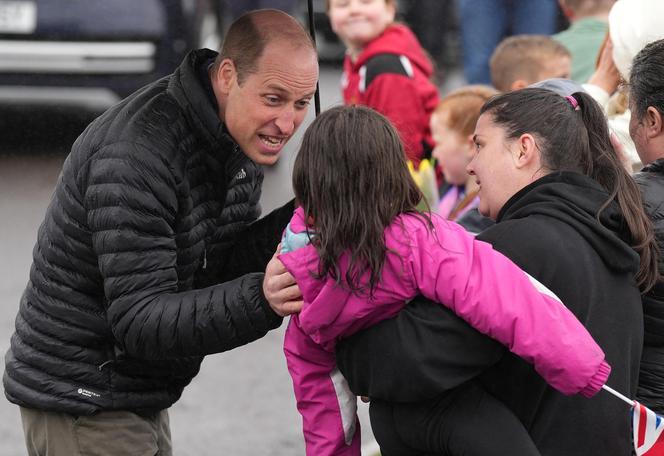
{"x": 150, "y": 255}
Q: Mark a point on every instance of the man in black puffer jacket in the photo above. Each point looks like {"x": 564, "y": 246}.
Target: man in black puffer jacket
{"x": 150, "y": 255}
{"x": 647, "y": 130}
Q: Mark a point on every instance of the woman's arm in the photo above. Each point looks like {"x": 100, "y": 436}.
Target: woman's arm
{"x": 497, "y": 298}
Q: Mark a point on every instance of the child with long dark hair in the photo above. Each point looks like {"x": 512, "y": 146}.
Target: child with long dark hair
{"x": 359, "y": 251}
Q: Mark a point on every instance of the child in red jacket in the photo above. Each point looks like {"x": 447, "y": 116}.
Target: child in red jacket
{"x": 386, "y": 69}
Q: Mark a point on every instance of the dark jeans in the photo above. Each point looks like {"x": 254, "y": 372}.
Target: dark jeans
{"x": 466, "y": 421}
{"x": 484, "y": 24}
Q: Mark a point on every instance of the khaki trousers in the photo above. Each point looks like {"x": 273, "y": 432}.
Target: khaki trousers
{"x": 112, "y": 433}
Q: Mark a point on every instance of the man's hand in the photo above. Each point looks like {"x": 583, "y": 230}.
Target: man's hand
{"x": 280, "y": 289}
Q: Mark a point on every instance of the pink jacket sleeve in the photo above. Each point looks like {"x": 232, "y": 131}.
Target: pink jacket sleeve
{"x": 327, "y": 406}
{"x": 497, "y": 298}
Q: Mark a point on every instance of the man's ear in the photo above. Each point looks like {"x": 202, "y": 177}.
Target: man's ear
{"x": 226, "y": 76}
{"x": 653, "y": 122}
{"x": 526, "y": 152}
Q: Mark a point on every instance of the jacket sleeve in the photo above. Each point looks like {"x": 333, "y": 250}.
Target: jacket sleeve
{"x": 423, "y": 352}
{"x": 327, "y": 406}
{"x": 497, "y": 298}
{"x": 131, "y": 208}
{"x": 394, "y": 96}
{"x": 252, "y": 248}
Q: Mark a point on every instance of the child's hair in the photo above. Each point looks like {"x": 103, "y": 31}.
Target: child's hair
{"x": 584, "y": 8}
{"x": 351, "y": 178}
{"x": 522, "y": 57}
{"x": 462, "y": 107}
{"x": 577, "y": 139}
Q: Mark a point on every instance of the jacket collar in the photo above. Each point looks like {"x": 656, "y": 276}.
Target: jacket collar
{"x": 655, "y": 167}
{"x": 191, "y": 93}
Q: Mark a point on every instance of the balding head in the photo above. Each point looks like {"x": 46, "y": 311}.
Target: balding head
{"x": 249, "y": 35}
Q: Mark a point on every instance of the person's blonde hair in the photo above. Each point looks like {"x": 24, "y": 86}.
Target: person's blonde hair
{"x": 462, "y": 107}
{"x": 522, "y": 57}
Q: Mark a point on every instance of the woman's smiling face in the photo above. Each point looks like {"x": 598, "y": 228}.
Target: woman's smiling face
{"x": 493, "y": 166}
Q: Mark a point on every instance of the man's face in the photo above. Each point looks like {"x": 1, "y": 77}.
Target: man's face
{"x": 264, "y": 111}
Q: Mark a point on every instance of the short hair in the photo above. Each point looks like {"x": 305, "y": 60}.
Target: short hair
{"x": 463, "y": 107}
{"x": 522, "y": 57}
{"x": 646, "y": 81}
{"x": 249, "y": 34}
{"x": 589, "y": 7}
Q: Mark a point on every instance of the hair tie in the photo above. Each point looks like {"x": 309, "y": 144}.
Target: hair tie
{"x": 573, "y": 102}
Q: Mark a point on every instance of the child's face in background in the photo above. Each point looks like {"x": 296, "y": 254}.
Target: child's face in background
{"x": 452, "y": 150}
{"x": 357, "y": 22}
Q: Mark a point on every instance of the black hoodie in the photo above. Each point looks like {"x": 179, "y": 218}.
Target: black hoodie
{"x": 550, "y": 230}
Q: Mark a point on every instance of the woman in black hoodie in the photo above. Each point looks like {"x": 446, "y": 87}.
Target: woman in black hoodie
{"x": 568, "y": 213}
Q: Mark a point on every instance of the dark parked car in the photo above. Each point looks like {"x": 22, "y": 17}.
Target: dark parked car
{"x": 62, "y": 50}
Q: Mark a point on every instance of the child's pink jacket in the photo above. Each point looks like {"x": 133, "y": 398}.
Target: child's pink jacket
{"x": 447, "y": 265}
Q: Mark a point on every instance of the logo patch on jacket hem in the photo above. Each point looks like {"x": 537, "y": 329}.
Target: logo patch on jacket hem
{"x": 87, "y": 393}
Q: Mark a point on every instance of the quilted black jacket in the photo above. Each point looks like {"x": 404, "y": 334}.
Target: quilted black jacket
{"x": 147, "y": 258}
{"x": 651, "y": 376}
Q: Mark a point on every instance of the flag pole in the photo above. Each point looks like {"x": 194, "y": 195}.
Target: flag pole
{"x": 618, "y": 395}
{"x": 312, "y": 32}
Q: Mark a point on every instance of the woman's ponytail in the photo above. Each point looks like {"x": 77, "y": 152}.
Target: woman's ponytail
{"x": 605, "y": 166}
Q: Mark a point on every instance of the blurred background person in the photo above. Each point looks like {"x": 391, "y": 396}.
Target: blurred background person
{"x": 452, "y": 125}
{"x": 386, "y": 69}
{"x": 646, "y": 101}
{"x": 589, "y": 23}
{"x": 485, "y": 23}
{"x": 632, "y": 25}
{"x": 435, "y": 24}
{"x": 522, "y": 60}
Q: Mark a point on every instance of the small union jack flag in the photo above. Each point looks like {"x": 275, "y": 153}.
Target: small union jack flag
{"x": 647, "y": 427}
